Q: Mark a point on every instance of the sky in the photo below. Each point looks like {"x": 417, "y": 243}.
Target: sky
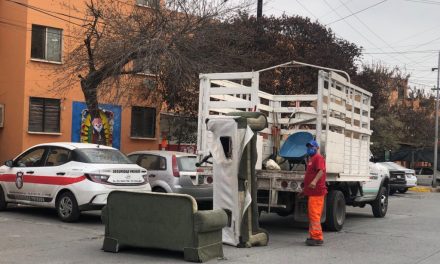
{"x": 403, "y": 33}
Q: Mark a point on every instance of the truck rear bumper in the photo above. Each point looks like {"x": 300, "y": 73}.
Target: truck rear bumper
{"x": 395, "y": 186}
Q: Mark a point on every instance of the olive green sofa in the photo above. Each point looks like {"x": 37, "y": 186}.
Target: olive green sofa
{"x": 162, "y": 221}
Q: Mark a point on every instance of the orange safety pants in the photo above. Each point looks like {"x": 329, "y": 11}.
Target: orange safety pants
{"x": 315, "y": 206}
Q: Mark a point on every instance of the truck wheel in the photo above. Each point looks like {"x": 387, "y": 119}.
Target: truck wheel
{"x": 335, "y": 211}
{"x": 3, "y": 203}
{"x": 380, "y": 205}
{"x": 392, "y": 191}
{"x": 288, "y": 199}
{"x": 283, "y": 213}
{"x": 403, "y": 190}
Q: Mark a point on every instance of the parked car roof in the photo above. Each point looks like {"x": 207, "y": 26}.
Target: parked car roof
{"x": 73, "y": 145}
{"x": 162, "y": 152}
{"x": 394, "y": 166}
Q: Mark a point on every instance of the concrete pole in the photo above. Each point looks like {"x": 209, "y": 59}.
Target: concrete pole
{"x": 259, "y": 8}
{"x": 434, "y": 176}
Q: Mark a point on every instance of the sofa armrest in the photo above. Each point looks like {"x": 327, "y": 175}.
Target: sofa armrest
{"x": 206, "y": 221}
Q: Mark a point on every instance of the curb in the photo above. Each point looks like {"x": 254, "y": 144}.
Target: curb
{"x": 424, "y": 189}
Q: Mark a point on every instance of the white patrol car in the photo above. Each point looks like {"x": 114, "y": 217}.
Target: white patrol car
{"x": 72, "y": 177}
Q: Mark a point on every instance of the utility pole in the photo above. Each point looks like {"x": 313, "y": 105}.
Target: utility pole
{"x": 260, "y": 9}
{"x": 434, "y": 176}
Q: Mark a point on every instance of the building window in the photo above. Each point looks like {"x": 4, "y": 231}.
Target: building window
{"x": 46, "y": 43}
{"x": 44, "y": 115}
{"x": 148, "y": 3}
{"x": 143, "y": 122}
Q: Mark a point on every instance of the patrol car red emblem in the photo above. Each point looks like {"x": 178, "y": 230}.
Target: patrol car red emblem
{"x": 19, "y": 180}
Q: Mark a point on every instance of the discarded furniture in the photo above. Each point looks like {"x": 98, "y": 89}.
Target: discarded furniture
{"x": 233, "y": 148}
{"x": 163, "y": 221}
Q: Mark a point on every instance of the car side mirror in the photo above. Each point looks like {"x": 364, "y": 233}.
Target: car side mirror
{"x": 9, "y": 163}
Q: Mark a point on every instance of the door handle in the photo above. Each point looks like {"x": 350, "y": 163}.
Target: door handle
{"x": 152, "y": 175}
{"x": 61, "y": 173}
{"x": 30, "y": 172}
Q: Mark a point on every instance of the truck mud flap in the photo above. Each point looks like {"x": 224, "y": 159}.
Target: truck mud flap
{"x": 301, "y": 212}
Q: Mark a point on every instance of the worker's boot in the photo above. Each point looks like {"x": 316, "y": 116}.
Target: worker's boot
{"x": 314, "y": 242}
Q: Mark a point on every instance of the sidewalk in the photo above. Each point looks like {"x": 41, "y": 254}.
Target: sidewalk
{"x": 424, "y": 189}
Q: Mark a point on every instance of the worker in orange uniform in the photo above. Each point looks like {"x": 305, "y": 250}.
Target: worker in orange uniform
{"x": 315, "y": 189}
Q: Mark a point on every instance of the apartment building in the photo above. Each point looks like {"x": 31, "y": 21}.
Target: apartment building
{"x": 34, "y": 37}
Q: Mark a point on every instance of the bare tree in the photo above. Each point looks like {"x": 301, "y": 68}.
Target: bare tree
{"x": 130, "y": 52}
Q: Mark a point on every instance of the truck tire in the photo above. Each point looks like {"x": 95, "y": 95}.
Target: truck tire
{"x": 392, "y": 191}
{"x": 403, "y": 190}
{"x": 288, "y": 199}
{"x": 335, "y": 211}
{"x": 3, "y": 203}
{"x": 380, "y": 205}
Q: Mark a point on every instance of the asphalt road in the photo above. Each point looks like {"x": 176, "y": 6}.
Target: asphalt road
{"x": 410, "y": 233}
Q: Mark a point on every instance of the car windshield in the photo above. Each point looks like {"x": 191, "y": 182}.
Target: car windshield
{"x": 187, "y": 163}
{"x": 427, "y": 171}
{"x": 103, "y": 156}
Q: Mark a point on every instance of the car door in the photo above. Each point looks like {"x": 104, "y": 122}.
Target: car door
{"x": 371, "y": 187}
{"x": 426, "y": 176}
{"x": 156, "y": 166}
{"x": 54, "y": 173}
{"x": 26, "y": 168}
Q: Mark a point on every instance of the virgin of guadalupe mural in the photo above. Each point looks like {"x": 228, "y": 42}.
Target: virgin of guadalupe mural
{"x": 97, "y": 130}
{"x": 104, "y": 129}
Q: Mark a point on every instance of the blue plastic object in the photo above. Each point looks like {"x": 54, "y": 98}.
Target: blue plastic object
{"x": 294, "y": 148}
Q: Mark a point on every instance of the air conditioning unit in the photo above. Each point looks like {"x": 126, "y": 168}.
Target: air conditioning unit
{"x": 2, "y": 115}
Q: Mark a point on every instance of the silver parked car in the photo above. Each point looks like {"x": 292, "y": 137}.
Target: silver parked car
{"x": 174, "y": 172}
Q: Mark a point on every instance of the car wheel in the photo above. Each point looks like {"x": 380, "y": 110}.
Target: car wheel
{"x": 67, "y": 207}
{"x": 403, "y": 190}
{"x": 159, "y": 190}
{"x": 380, "y": 205}
{"x": 392, "y": 191}
{"x": 3, "y": 203}
{"x": 335, "y": 211}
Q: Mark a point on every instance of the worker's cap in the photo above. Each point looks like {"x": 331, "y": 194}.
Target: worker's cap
{"x": 312, "y": 143}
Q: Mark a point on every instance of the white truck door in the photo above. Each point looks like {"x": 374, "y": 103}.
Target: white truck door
{"x": 371, "y": 188}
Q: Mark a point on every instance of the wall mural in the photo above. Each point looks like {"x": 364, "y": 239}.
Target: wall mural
{"x": 99, "y": 130}
{"x": 103, "y": 130}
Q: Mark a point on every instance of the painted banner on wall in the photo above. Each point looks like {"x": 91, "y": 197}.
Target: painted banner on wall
{"x": 104, "y": 130}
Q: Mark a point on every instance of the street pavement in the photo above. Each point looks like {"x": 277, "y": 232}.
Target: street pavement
{"x": 410, "y": 233}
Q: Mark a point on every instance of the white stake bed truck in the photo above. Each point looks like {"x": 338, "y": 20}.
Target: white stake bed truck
{"x": 337, "y": 115}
